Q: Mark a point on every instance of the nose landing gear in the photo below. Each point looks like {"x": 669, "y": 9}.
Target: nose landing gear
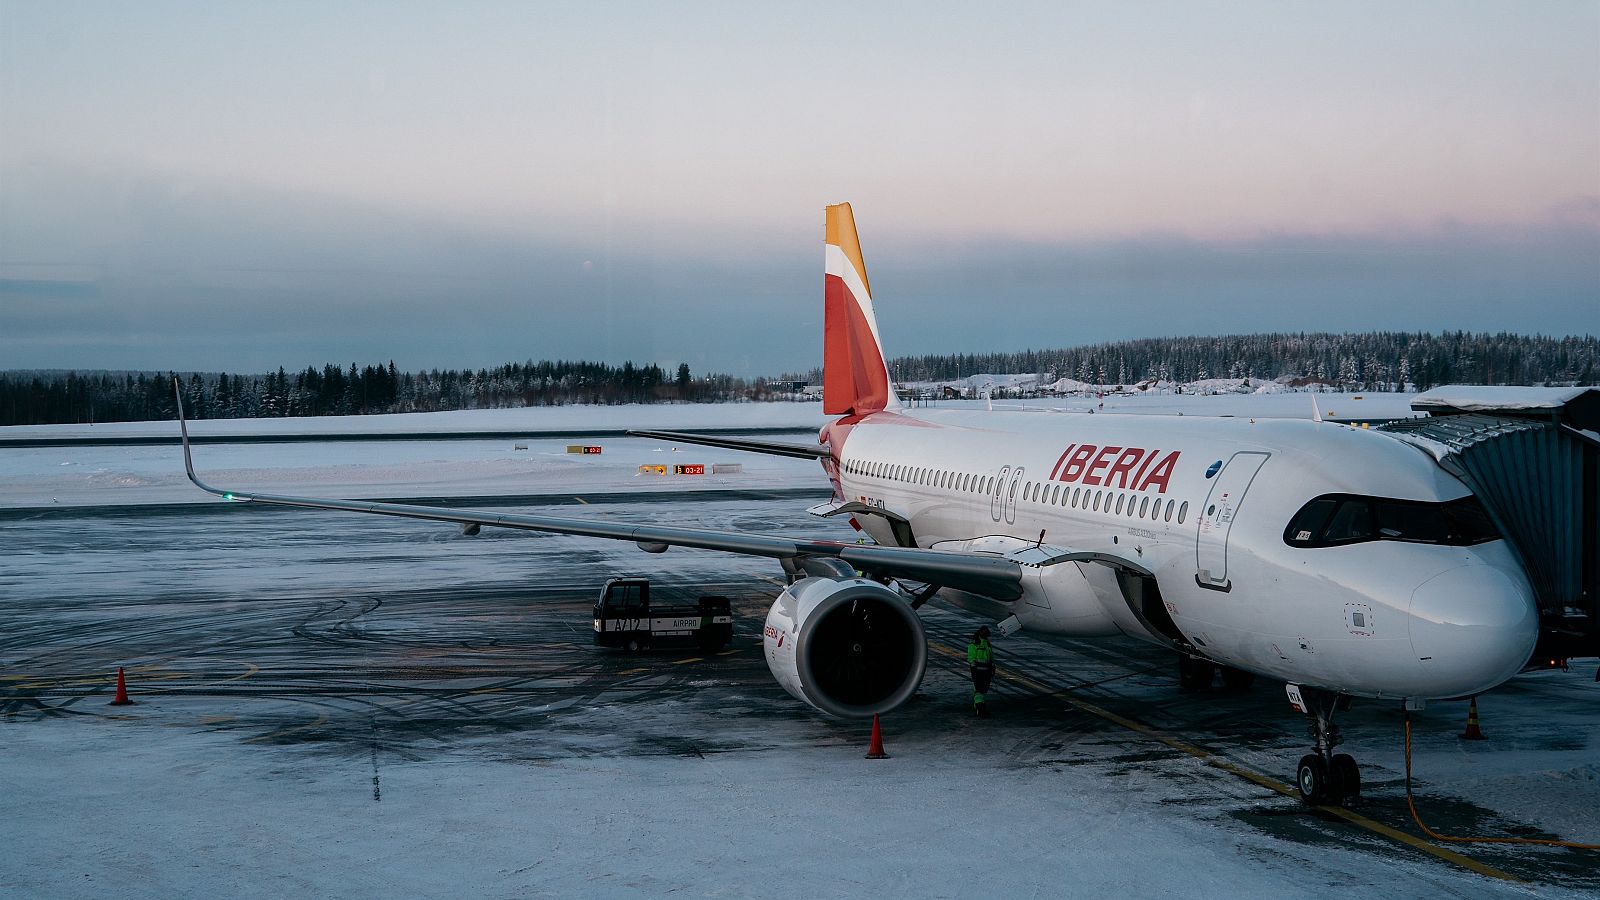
{"x": 1324, "y": 776}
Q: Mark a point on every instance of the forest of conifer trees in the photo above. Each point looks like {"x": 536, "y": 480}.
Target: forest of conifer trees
{"x": 1373, "y": 361}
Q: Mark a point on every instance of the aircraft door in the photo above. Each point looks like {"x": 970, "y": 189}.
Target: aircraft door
{"x": 1011, "y": 496}
{"x": 998, "y": 493}
{"x": 1216, "y": 518}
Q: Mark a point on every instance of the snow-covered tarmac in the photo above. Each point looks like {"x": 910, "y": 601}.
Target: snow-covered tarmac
{"x": 337, "y": 706}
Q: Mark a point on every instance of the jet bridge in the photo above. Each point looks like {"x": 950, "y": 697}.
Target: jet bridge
{"x": 1532, "y": 455}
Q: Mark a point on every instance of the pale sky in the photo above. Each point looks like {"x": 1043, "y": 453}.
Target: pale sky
{"x": 241, "y": 186}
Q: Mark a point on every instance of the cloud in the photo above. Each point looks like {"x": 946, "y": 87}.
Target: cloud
{"x": 45, "y": 287}
{"x": 159, "y": 271}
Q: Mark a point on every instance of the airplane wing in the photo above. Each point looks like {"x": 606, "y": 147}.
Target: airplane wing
{"x": 986, "y": 574}
{"x": 771, "y": 448}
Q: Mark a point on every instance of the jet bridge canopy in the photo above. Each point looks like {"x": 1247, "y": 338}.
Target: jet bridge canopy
{"x": 1532, "y": 455}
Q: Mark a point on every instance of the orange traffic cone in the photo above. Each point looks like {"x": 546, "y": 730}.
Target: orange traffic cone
{"x": 875, "y": 751}
{"x": 122, "y": 690}
{"x": 1473, "y": 732}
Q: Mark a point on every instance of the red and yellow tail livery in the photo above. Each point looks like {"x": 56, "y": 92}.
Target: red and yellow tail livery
{"x": 855, "y": 377}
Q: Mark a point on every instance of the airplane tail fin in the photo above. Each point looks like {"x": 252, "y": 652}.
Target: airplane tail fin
{"x": 855, "y": 376}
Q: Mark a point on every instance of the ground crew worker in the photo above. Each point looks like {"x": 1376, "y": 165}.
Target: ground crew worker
{"x": 980, "y": 659}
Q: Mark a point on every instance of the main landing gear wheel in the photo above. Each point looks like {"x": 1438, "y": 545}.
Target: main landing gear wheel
{"x": 1324, "y": 776}
{"x": 1195, "y": 674}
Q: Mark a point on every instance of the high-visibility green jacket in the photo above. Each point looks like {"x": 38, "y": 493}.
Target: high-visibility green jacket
{"x": 979, "y": 651}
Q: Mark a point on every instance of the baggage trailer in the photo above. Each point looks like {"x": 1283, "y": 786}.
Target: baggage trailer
{"x": 625, "y": 617}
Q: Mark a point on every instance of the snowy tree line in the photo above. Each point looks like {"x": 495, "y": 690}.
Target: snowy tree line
{"x": 39, "y": 398}
{"x": 1374, "y": 361}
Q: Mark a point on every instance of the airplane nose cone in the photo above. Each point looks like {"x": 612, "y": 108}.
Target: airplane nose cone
{"x": 1472, "y": 627}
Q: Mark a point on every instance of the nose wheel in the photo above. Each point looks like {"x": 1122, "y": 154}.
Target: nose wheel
{"x": 1323, "y": 776}
{"x": 1328, "y": 779}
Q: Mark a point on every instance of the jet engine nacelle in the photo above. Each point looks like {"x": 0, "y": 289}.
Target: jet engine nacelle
{"x": 849, "y": 647}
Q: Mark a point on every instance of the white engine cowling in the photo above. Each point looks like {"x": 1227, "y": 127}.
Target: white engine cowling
{"x": 849, "y": 647}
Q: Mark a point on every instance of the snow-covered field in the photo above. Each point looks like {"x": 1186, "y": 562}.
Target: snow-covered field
{"x": 76, "y": 475}
{"x": 655, "y": 416}
{"x": 218, "y": 795}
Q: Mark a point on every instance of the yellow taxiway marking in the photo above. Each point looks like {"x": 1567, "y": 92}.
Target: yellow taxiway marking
{"x": 633, "y": 671}
{"x": 728, "y": 652}
{"x": 487, "y": 690}
{"x": 581, "y": 500}
{"x": 1272, "y": 784}
{"x": 148, "y": 678}
{"x": 322, "y": 718}
{"x": 679, "y": 662}
{"x": 215, "y": 720}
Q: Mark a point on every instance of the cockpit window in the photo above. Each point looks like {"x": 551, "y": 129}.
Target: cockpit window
{"x": 1336, "y": 519}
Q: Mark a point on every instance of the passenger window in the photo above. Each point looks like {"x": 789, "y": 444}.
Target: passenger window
{"x": 1119, "y": 504}
{"x": 1183, "y": 512}
{"x": 1144, "y": 507}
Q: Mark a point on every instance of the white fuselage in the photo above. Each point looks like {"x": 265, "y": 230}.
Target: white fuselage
{"x": 1203, "y": 504}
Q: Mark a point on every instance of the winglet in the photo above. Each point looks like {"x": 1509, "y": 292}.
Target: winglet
{"x": 188, "y": 458}
{"x": 1316, "y": 411}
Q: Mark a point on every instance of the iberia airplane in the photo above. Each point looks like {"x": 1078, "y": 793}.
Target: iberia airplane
{"x": 1335, "y": 559}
